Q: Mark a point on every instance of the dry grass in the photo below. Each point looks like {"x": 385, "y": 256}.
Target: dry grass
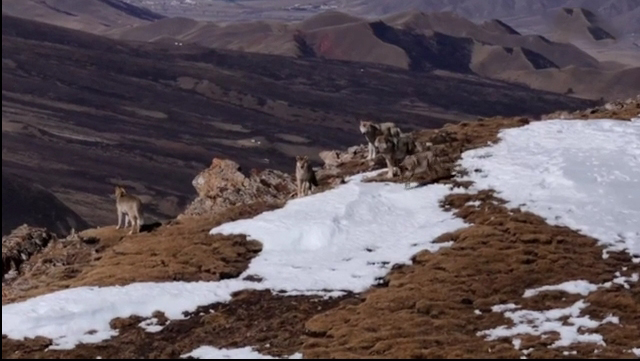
{"x": 427, "y": 309}
{"x": 273, "y": 324}
{"x": 424, "y": 310}
{"x": 180, "y": 251}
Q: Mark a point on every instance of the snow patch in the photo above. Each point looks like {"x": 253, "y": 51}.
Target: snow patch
{"x": 345, "y": 238}
{"x": 579, "y": 287}
{"x": 246, "y": 353}
{"x": 582, "y": 287}
{"x": 581, "y": 174}
{"x": 539, "y": 323}
{"x": 516, "y": 343}
{"x": 504, "y": 307}
{"x": 151, "y": 325}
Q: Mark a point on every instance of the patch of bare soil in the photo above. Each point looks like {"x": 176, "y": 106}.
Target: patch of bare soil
{"x": 180, "y": 250}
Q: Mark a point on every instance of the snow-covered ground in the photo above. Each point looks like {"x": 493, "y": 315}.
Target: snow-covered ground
{"x": 323, "y": 244}
{"x": 342, "y": 240}
{"x": 582, "y": 174}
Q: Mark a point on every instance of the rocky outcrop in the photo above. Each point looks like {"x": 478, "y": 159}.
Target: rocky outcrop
{"x": 224, "y": 184}
{"x": 22, "y": 244}
{"x": 618, "y": 109}
{"x": 333, "y": 158}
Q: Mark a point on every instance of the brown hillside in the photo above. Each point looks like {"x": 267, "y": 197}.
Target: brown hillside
{"x": 355, "y": 42}
{"x": 89, "y": 15}
{"x": 409, "y": 39}
{"x": 583, "y": 82}
{"x": 423, "y": 310}
{"x": 451, "y": 24}
{"x": 328, "y": 19}
{"x": 169, "y": 27}
{"x": 580, "y": 24}
{"x": 412, "y": 40}
{"x": 477, "y": 10}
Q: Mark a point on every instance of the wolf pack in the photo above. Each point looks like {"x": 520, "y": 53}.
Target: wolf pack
{"x": 404, "y": 157}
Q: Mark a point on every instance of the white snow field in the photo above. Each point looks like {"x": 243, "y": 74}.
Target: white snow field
{"x": 581, "y": 174}
{"x": 323, "y": 244}
{"x": 343, "y": 239}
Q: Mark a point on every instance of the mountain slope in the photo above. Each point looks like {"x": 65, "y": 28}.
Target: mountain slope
{"x": 519, "y": 11}
{"x": 524, "y": 276}
{"x": 411, "y": 40}
{"x": 82, "y": 112}
{"x": 580, "y": 24}
{"x": 408, "y": 39}
{"x": 89, "y": 15}
{"x": 23, "y": 202}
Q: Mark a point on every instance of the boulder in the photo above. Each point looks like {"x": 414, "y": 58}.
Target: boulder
{"x": 224, "y": 185}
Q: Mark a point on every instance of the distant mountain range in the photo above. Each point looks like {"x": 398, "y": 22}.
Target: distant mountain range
{"x": 414, "y": 40}
{"x": 623, "y": 14}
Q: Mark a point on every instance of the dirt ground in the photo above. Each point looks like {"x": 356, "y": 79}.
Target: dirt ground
{"x": 433, "y": 308}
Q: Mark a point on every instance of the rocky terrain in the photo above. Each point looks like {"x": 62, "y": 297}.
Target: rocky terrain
{"x": 425, "y": 309}
{"x": 82, "y": 113}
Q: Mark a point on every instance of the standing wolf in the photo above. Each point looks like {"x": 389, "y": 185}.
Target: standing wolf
{"x": 371, "y": 131}
{"x": 131, "y": 207}
{"x": 305, "y": 176}
{"x": 395, "y": 150}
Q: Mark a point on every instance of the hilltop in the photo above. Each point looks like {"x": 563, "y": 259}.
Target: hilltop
{"x": 434, "y": 293}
